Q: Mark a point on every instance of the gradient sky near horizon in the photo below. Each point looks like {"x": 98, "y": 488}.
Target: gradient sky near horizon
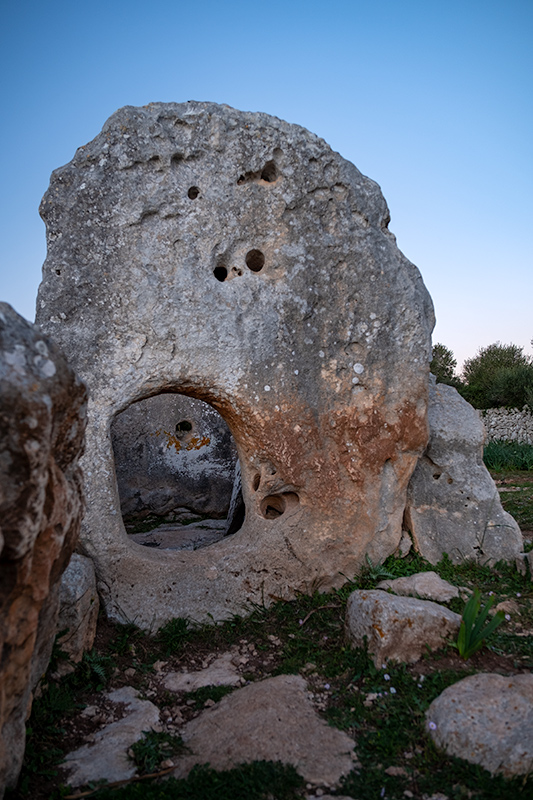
{"x": 431, "y": 99}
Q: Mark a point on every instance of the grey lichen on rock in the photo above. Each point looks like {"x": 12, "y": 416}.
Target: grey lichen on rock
{"x": 235, "y": 258}
{"x": 453, "y": 505}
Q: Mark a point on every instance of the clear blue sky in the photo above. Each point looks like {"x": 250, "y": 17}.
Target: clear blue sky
{"x": 431, "y": 98}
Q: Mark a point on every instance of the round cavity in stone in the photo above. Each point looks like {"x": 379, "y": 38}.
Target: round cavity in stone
{"x": 275, "y": 505}
{"x": 220, "y": 273}
{"x": 255, "y": 260}
{"x": 193, "y": 192}
{"x": 175, "y": 464}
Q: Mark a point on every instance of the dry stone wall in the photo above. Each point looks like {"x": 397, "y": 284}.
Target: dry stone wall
{"x": 509, "y": 424}
{"x": 42, "y": 422}
{"x": 236, "y": 259}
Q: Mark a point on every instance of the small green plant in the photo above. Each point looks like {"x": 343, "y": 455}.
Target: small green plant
{"x": 372, "y": 573}
{"x": 472, "y": 634}
{"x": 500, "y": 455}
{"x": 153, "y": 748}
{"x": 205, "y": 693}
{"x": 174, "y": 634}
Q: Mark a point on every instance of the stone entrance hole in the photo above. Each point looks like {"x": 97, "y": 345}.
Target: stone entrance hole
{"x": 176, "y": 464}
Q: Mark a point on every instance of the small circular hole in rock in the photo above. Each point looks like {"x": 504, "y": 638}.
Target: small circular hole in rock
{"x": 183, "y": 426}
{"x": 220, "y": 273}
{"x": 269, "y": 172}
{"x": 193, "y": 192}
{"x": 255, "y": 260}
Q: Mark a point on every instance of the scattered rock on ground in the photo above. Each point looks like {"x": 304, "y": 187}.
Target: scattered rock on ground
{"x": 272, "y": 720}
{"x": 486, "y": 719}
{"x": 78, "y": 611}
{"x": 105, "y": 756}
{"x": 222, "y": 672}
{"x": 453, "y": 505}
{"x": 426, "y": 585}
{"x": 397, "y": 628}
{"x": 42, "y": 423}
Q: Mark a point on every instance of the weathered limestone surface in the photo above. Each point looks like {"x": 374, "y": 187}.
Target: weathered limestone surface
{"x": 235, "y": 258}
{"x": 42, "y": 421}
{"x": 78, "y": 611}
{"x": 486, "y": 719}
{"x": 271, "y": 720}
{"x": 397, "y": 628}
{"x": 453, "y": 504}
{"x": 173, "y": 452}
{"x": 106, "y": 756}
{"x": 426, "y": 585}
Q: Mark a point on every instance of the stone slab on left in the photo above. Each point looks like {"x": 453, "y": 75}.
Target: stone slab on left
{"x": 42, "y": 426}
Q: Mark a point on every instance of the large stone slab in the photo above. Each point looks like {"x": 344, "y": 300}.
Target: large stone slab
{"x": 486, "y": 719}
{"x": 105, "y": 756}
{"x": 271, "y": 720}
{"x": 42, "y": 421}
{"x": 453, "y": 504}
{"x": 426, "y": 585}
{"x": 235, "y": 258}
{"x": 397, "y": 628}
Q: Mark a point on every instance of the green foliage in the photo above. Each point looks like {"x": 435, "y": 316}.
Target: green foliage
{"x": 153, "y": 748}
{"x": 371, "y": 574}
{"x": 205, "y": 693}
{"x": 174, "y": 634}
{"x": 93, "y": 671}
{"x": 473, "y": 631}
{"x": 513, "y": 387}
{"x": 500, "y": 455}
{"x": 443, "y": 365}
{"x": 489, "y": 368}
{"x": 260, "y": 780}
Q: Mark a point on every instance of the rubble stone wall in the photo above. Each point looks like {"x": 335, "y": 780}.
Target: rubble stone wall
{"x": 508, "y": 424}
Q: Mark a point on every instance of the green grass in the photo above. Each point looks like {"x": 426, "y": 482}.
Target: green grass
{"x": 305, "y": 636}
{"x": 153, "y": 748}
{"x": 499, "y": 455}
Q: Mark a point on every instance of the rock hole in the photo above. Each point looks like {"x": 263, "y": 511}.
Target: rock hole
{"x": 275, "y": 505}
{"x": 176, "y": 159}
{"x": 255, "y": 260}
{"x": 176, "y": 480}
{"x": 220, "y": 273}
{"x": 269, "y": 172}
{"x": 256, "y": 482}
{"x": 450, "y": 480}
{"x": 437, "y": 475}
{"x": 193, "y": 192}
{"x": 58, "y": 272}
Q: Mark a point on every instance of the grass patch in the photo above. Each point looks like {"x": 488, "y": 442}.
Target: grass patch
{"x": 153, "y": 748}
{"x": 500, "y": 455}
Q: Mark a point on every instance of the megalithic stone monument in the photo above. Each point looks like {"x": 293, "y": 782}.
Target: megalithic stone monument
{"x": 235, "y": 258}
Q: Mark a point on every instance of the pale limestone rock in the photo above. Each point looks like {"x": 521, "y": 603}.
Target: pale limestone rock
{"x": 78, "y": 611}
{"x": 105, "y": 757}
{"x": 222, "y": 672}
{"x": 271, "y": 720}
{"x": 42, "y": 421}
{"x": 453, "y": 505}
{"x": 397, "y": 628}
{"x": 486, "y": 719}
{"x": 426, "y": 585}
{"x": 235, "y": 258}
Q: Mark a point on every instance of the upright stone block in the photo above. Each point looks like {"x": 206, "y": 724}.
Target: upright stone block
{"x": 235, "y": 258}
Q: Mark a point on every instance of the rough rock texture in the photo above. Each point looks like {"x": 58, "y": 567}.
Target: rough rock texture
{"x": 78, "y": 611}
{"x": 42, "y": 420}
{"x": 272, "y": 720}
{"x": 105, "y": 757}
{"x": 486, "y": 719}
{"x": 235, "y": 258}
{"x": 427, "y": 585}
{"x": 173, "y": 452}
{"x": 222, "y": 672}
{"x": 397, "y": 628}
{"x": 453, "y": 504}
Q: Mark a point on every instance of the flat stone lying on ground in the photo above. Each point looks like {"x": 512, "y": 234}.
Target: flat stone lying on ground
{"x": 173, "y": 536}
{"x": 222, "y": 672}
{"x": 272, "y": 720}
{"x": 426, "y": 585}
{"x": 106, "y": 756}
{"x": 397, "y": 628}
{"x": 486, "y": 719}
